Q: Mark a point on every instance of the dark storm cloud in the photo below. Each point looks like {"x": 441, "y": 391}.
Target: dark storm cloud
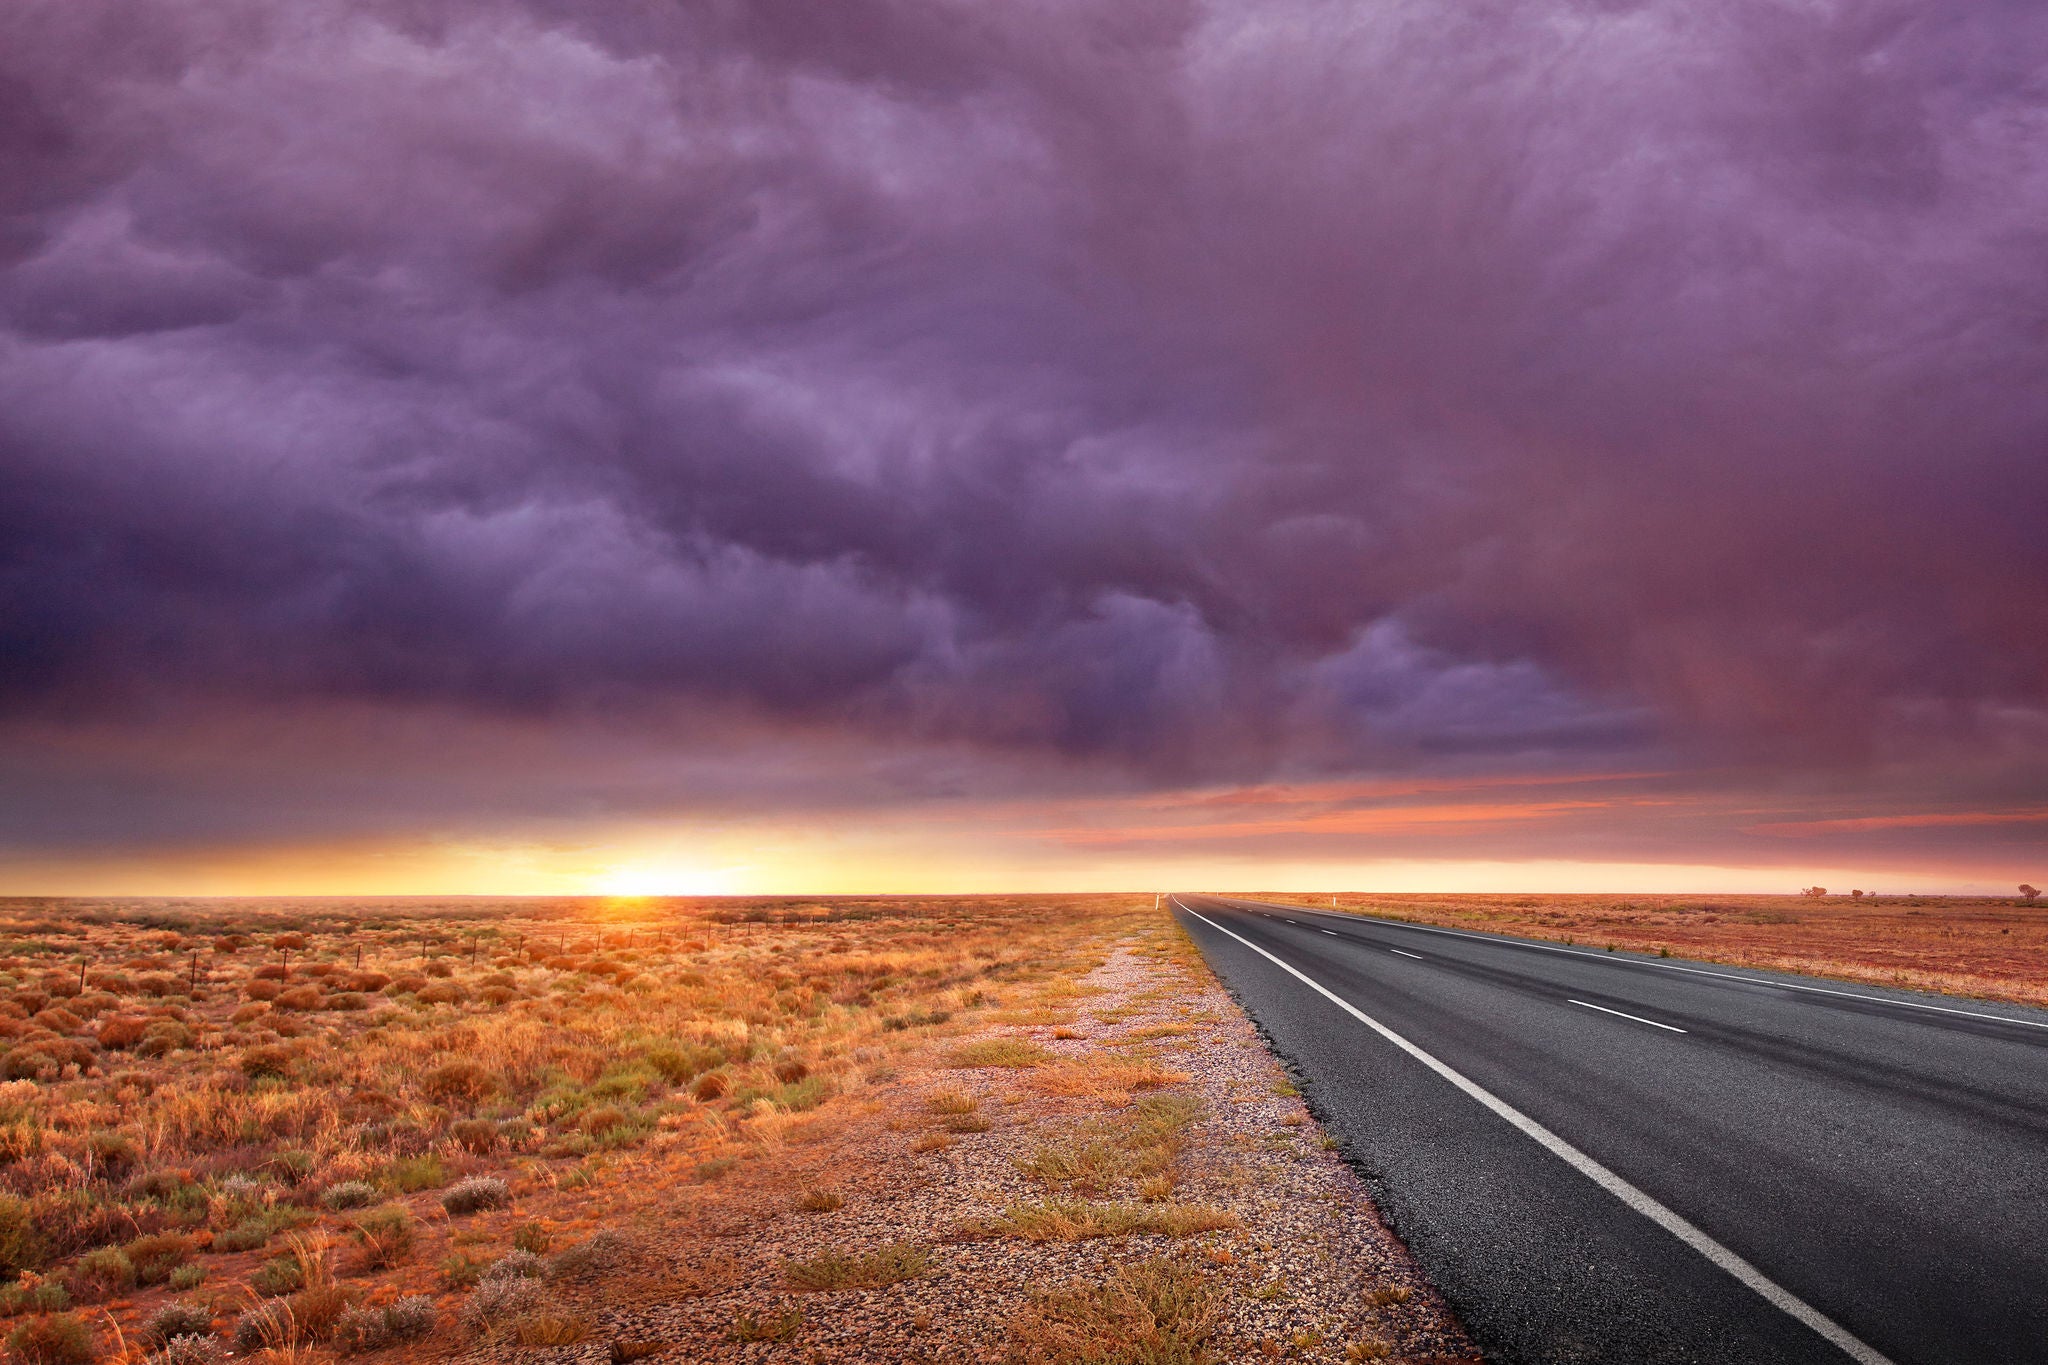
{"x": 1205, "y": 391}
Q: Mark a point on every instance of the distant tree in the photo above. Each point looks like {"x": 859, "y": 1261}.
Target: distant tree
{"x": 1814, "y": 891}
{"x": 1858, "y": 895}
{"x": 2029, "y": 892}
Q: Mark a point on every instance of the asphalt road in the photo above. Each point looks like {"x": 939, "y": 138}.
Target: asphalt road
{"x": 1814, "y": 1150}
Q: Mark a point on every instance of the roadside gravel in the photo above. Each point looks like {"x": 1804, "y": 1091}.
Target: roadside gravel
{"x": 1308, "y": 1273}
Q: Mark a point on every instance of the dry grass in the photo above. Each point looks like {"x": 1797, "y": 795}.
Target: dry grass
{"x": 1012, "y": 1052}
{"x": 189, "y": 1088}
{"x": 1077, "y": 1220}
{"x": 1154, "y": 1313}
{"x": 1138, "y": 1144}
{"x": 1103, "y": 1077}
{"x": 889, "y": 1265}
{"x": 1991, "y": 947}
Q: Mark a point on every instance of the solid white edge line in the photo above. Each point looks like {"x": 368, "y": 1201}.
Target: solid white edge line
{"x": 1674, "y": 967}
{"x": 1675, "y": 1224}
{"x": 1402, "y": 951}
{"x": 1617, "y": 1013}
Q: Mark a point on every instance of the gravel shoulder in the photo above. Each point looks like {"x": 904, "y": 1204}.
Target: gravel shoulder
{"x": 935, "y": 1221}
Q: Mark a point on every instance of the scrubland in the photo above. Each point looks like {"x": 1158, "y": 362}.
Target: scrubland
{"x": 1995, "y": 948}
{"x": 828, "y": 1130}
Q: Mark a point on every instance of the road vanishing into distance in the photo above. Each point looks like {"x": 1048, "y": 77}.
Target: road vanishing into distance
{"x": 1605, "y": 1157}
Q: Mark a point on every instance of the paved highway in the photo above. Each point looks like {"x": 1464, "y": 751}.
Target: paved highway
{"x": 1614, "y": 1159}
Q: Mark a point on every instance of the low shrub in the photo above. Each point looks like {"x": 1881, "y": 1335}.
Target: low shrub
{"x": 157, "y": 1257}
{"x": 474, "y": 1195}
{"x": 122, "y": 1031}
{"x": 349, "y": 1194}
{"x": 499, "y": 1302}
{"x": 22, "y": 1246}
{"x": 416, "y": 1173}
{"x": 386, "y": 1236}
{"x": 370, "y": 1329}
{"x": 188, "y": 1350}
{"x": 268, "y": 1060}
{"x": 317, "y": 1308}
{"x": 603, "y": 1119}
{"x": 680, "y": 1063}
{"x": 600, "y": 1252}
{"x": 517, "y": 1265}
{"x": 247, "y": 1235}
{"x": 33, "y": 1296}
{"x": 459, "y": 1270}
{"x": 115, "y": 1154}
{"x": 165, "y": 1036}
{"x": 476, "y": 1135}
{"x": 278, "y": 1277}
{"x": 176, "y": 1320}
{"x": 292, "y": 1165}
{"x": 100, "y": 1274}
{"x": 267, "y": 1325}
{"x": 52, "y": 1339}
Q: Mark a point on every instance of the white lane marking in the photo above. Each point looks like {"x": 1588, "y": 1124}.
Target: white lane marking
{"x": 1402, "y": 951}
{"x": 1604, "y": 1010}
{"x": 1692, "y": 971}
{"x": 1675, "y": 1224}
{"x": 1294, "y": 921}
{"x": 1331, "y": 932}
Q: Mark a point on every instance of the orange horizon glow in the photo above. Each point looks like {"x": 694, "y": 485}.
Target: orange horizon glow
{"x": 628, "y": 873}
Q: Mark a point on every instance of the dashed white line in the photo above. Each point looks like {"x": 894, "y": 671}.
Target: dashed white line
{"x": 1331, "y": 932}
{"x": 1501, "y": 940}
{"x": 1619, "y": 1015}
{"x": 1672, "y": 1222}
{"x": 1405, "y": 953}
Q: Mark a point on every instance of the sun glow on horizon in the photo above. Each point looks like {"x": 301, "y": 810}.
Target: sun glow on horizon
{"x": 634, "y": 880}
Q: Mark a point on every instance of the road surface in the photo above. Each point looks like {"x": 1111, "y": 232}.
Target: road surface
{"x": 1614, "y": 1159}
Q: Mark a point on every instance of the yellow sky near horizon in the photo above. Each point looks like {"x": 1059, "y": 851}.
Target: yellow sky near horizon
{"x": 643, "y": 863}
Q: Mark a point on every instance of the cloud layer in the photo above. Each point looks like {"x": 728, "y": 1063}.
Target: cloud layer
{"x": 1155, "y": 392}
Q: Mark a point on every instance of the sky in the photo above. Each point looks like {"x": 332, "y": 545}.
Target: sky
{"x": 751, "y": 445}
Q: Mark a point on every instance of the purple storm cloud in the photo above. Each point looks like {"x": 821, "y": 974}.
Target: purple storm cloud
{"x": 1193, "y": 395}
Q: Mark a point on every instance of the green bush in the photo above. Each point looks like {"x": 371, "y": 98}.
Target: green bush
{"x": 415, "y": 1173}
{"x": 100, "y": 1274}
{"x": 45, "y": 1296}
{"x": 21, "y": 1243}
{"x": 386, "y": 1236}
{"x": 155, "y": 1258}
{"x": 177, "y": 1320}
{"x": 680, "y": 1063}
{"x": 53, "y": 1339}
{"x": 276, "y": 1278}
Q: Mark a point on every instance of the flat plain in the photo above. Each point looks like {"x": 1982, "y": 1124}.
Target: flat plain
{"x": 1991, "y": 947}
{"x": 1019, "y": 1128}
